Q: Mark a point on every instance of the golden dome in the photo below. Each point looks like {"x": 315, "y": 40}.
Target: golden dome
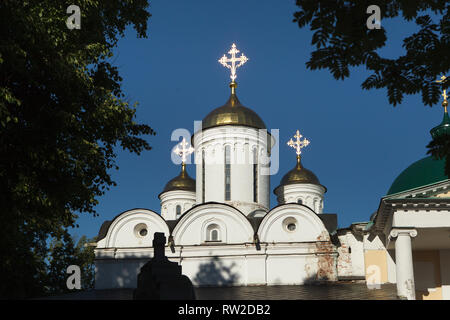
{"x": 233, "y": 113}
{"x": 299, "y": 175}
{"x": 180, "y": 182}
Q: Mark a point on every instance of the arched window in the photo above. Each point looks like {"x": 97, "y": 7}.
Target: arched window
{"x": 255, "y": 175}
{"x": 178, "y": 210}
{"x": 300, "y": 201}
{"x": 213, "y": 233}
{"x": 227, "y": 173}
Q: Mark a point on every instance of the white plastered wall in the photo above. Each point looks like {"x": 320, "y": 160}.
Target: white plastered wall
{"x": 311, "y": 195}
{"x": 242, "y": 142}
{"x": 171, "y": 199}
{"x": 282, "y": 258}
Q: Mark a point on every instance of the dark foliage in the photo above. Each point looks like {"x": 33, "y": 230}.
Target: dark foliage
{"x": 62, "y": 112}
{"x": 342, "y": 40}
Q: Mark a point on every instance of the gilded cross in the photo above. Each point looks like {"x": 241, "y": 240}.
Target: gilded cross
{"x": 443, "y": 80}
{"x": 224, "y": 61}
{"x": 182, "y": 150}
{"x": 444, "y": 94}
{"x": 298, "y": 144}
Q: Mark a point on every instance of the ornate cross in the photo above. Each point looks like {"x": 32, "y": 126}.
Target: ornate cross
{"x": 298, "y": 144}
{"x": 444, "y": 94}
{"x": 443, "y": 80}
{"x": 182, "y": 150}
{"x": 224, "y": 61}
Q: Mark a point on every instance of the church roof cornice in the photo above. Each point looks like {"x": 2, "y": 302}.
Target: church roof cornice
{"x": 388, "y": 206}
{"x": 107, "y": 223}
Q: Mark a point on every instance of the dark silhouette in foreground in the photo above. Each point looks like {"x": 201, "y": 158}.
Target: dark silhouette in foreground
{"x": 161, "y": 279}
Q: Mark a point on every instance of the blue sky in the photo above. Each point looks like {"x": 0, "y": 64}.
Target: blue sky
{"x": 359, "y": 143}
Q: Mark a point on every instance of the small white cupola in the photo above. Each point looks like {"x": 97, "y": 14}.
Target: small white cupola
{"x": 178, "y": 195}
{"x": 301, "y": 185}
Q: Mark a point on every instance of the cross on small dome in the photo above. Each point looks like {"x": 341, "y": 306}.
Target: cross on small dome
{"x": 298, "y": 144}
{"x": 182, "y": 150}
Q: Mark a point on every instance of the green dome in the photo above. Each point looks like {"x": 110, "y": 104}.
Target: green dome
{"x": 421, "y": 173}
{"x": 443, "y": 128}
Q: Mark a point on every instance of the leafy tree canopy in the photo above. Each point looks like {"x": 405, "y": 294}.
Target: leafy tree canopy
{"x": 62, "y": 253}
{"x": 62, "y": 113}
{"x": 342, "y": 40}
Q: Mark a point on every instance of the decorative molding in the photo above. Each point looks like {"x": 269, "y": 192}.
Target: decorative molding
{"x": 420, "y": 192}
{"x": 400, "y": 231}
{"x": 388, "y": 206}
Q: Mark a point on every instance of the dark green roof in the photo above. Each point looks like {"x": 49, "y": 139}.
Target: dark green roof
{"x": 443, "y": 128}
{"x": 421, "y": 173}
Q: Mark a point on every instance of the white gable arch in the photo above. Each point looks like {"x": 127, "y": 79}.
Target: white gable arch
{"x": 234, "y": 226}
{"x": 292, "y": 223}
{"x": 134, "y": 228}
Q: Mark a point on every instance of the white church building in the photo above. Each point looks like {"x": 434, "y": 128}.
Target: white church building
{"x": 222, "y": 229}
